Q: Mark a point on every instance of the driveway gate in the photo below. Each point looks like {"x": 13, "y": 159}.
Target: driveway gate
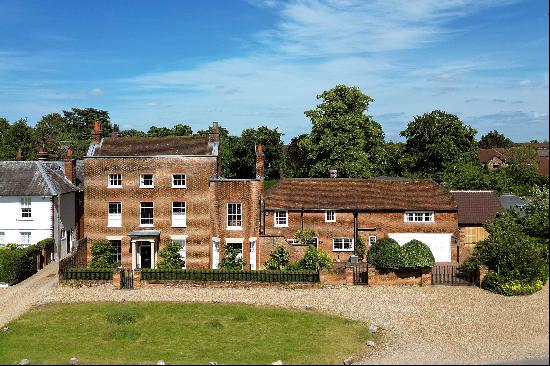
{"x": 360, "y": 274}
{"x": 449, "y": 274}
{"x": 127, "y": 278}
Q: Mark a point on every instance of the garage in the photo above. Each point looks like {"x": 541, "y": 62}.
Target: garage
{"x": 440, "y": 244}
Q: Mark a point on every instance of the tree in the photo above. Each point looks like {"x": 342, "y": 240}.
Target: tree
{"x": 177, "y": 130}
{"x": 132, "y": 133}
{"x": 535, "y": 223}
{"x": 80, "y": 122}
{"x": 232, "y": 259}
{"x": 170, "y": 256}
{"x": 463, "y": 175}
{"x": 272, "y": 147}
{"x": 278, "y": 258}
{"x": 494, "y": 139}
{"x": 4, "y": 130}
{"x": 296, "y": 162}
{"x": 53, "y": 131}
{"x": 102, "y": 255}
{"x": 343, "y": 135}
{"x": 20, "y": 135}
{"x": 438, "y": 139}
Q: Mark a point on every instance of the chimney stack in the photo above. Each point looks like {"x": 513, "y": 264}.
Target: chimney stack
{"x": 214, "y": 141}
{"x": 96, "y": 133}
{"x": 260, "y": 162}
{"x": 116, "y": 131}
{"x": 42, "y": 153}
{"x": 333, "y": 172}
{"x": 70, "y": 166}
{"x": 19, "y": 154}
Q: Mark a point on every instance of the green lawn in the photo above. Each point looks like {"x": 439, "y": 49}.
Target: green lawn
{"x": 143, "y": 333}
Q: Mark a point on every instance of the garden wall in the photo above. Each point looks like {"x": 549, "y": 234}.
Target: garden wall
{"x": 417, "y": 277}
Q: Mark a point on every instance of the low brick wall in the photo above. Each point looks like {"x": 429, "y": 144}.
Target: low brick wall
{"x": 414, "y": 277}
{"x": 84, "y": 283}
{"x": 339, "y": 274}
{"x": 224, "y": 284}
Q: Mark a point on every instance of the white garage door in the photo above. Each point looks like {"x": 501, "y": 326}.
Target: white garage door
{"x": 440, "y": 244}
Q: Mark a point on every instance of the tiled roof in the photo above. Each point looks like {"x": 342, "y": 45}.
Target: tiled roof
{"x": 511, "y": 201}
{"x": 476, "y": 207}
{"x": 151, "y": 146}
{"x": 487, "y": 154}
{"x": 33, "y": 178}
{"x": 363, "y": 194}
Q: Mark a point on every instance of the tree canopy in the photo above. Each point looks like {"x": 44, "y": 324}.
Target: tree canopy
{"x": 494, "y": 139}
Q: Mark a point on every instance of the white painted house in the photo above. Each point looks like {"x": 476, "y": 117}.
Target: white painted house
{"x": 39, "y": 201}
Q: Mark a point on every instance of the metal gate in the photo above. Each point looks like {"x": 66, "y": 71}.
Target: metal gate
{"x": 360, "y": 274}
{"x": 449, "y": 274}
{"x": 127, "y": 279}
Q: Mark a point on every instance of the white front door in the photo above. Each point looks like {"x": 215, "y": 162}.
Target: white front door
{"x": 215, "y": 254}
{"x": 253, "y": 255}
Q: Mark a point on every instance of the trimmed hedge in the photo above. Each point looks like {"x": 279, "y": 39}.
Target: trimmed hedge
{"x": 385, "y": 253}
{"x": 17, "y": 263}
{"x": 416, "y": 254}
{"x": 222, "y": 275}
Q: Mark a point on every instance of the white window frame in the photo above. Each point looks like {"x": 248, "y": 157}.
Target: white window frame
{"x": 114, "y": 178}
{"x": 237, "y": 227}
{"x": 280, "y": 218}
{"x": 174, "y": 185}
{"x": 117, "y": 255}
{"x": 372, "y": 239}
{"x": 25, "y": 203}
{"x": 333, "y": 215}
{"x": 142, "y": 181}
{"x": 141, "y": 218}
{"x": 2, "y": 238}
{"x": 23, "y": 234}
{"x": 176, "y": 220}
{"x": 419, "y": 216}
{"x": 343, "y": 249}
{"x": 114, "y": 219}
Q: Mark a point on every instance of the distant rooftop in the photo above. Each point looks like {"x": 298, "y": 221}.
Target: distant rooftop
{"x": 152, "y": 146}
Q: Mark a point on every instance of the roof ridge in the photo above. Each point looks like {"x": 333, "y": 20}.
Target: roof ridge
{"x": 44, "y": 174}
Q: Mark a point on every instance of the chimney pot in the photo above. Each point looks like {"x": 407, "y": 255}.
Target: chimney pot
{"x": 70, "y": 166}
{"x": 260, "y": 163}
{"x": 333, "y": 172}
{"x": 96, "y": 133}
{"x": 116, "y": 131}
{"x": 42, "y": 153}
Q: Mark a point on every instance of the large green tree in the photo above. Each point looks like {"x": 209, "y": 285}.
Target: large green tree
{"x": 53, "y": 131}
{"x": 19, "y": 135}
{"x": 296, "y": 162}
{"x": 4, "y": 129}
{"x": 178, "y": 130}
{"x": 343, "y": 135}
{"x": 80, "y": 122}
{"x": 438, "y": 139}
{"x": 494, "y": 139}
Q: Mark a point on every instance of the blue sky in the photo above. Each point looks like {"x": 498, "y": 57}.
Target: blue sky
{"x": 252, "y": 63}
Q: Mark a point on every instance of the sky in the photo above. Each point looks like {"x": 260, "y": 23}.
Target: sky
{"x": 251, "y": 63}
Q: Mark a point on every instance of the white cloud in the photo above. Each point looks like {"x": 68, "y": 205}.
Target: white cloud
{"x": 95, "y": 92}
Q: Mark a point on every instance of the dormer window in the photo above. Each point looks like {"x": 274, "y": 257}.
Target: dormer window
{"x": 146, "y": 181}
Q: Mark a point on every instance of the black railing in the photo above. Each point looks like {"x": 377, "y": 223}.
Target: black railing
{"x": 222, "y": 275}
{"x": 450, "y": 274}
{"x": 87, "y": 274}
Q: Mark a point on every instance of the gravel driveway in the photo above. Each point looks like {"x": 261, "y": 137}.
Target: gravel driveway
{"x": 428, "y": 325}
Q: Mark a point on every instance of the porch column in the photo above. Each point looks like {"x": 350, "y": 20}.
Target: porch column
{"x": 152, "y": 253}
{"x": 133, "y": 254}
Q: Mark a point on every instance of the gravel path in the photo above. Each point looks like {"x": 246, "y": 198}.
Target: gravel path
{"x": 421, "y": 325}
{"x": 15, "y": 300}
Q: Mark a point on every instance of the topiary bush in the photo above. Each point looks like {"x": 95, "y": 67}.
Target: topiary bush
{"x": 102, "y": 255}
{"x": 315, "y": 259}
{"x": 385, "y": 253}
{"x": 16, "y": 263}
{"x": 278, "y": 258}
{"x": 416, "y": 254}
{"x": 170, "y": 256}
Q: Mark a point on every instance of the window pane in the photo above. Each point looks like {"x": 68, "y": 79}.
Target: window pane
{"x": 234, "y": 215}
{"x": 178, "y": 180}
{"x": 117, "y": 254}
{"x": 146, "y": 179}
{"x": 146, "y": 213}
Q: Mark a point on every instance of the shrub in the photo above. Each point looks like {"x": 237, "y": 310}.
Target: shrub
{"x": 45, "y": 243}
{"x": 315, "y": 259}
{"x": 16, "y": 264}
{"x": 232, "y": 259}
{"x": 304, "y": 236}
{"x": 170, "y": 256}
{"x": 360, "y": 248}
{"x": 509, "y": 287}
{"x": 294, "y": 266}
{"x": 279, "y": 258}
{"x": 416, "y": 254}
{"x": 102, "y": 255}
{"x": 385, "y": 253}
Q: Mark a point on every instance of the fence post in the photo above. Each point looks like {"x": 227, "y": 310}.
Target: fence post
{"x": 137, "y": 278}
{"x": 117, "y": 279}
{"x": 371, "y": 273}
{"x": 481, "y": 273}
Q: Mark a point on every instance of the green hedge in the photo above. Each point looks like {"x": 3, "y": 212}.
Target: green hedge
{"x": 385, "y": 253}
{"x": 88, "y": 274}
{"x": 17, "y": 263}
{"x": 221, "y": 275}
{"x": 416, "y": 254}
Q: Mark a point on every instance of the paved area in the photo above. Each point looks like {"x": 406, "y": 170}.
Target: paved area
{"x": 421, "y": 325}
{"x": 15, "y": 300}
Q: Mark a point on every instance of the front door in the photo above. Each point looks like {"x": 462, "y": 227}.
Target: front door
{"x": 145, "y": 254}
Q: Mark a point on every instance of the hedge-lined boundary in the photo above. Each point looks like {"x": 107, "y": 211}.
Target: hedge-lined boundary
{"x": 87, "y": 274}
{"x": 219, "y": 275}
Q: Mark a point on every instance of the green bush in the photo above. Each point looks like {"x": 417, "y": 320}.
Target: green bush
{"x": 360, "y": 248}
{"x": 509, "y": 287}
{"x": 102, "y": 255}
{"x": 416, "y": 254}
{"x": 278, "y": 258}
{"x": 385, "y": 253}
{"x": 294, "y": 266}
{"x": 45, "y": 243}
{"x": 232, "y": 259}
{"x": 304, "y": 236}
{"x": 16, "y": 263}
{"x": 170, "y": 256}
{"x": 315, "y": 259}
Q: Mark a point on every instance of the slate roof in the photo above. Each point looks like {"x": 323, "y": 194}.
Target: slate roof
{"x": 375, "y": 194}
{"x": 487, "y": 154}
{"x": 33, "y": 178}
{"x": 476, "y": 207}
{"x": 151, "y": 146}
{"x": 511, "y": 201}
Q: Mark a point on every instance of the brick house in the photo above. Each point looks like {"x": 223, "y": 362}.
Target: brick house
{"x": 141, "y": 193}
{"x": 493, "y": 158}
{"x": 475, "y": 208}
{"x": 341, "y": 210}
